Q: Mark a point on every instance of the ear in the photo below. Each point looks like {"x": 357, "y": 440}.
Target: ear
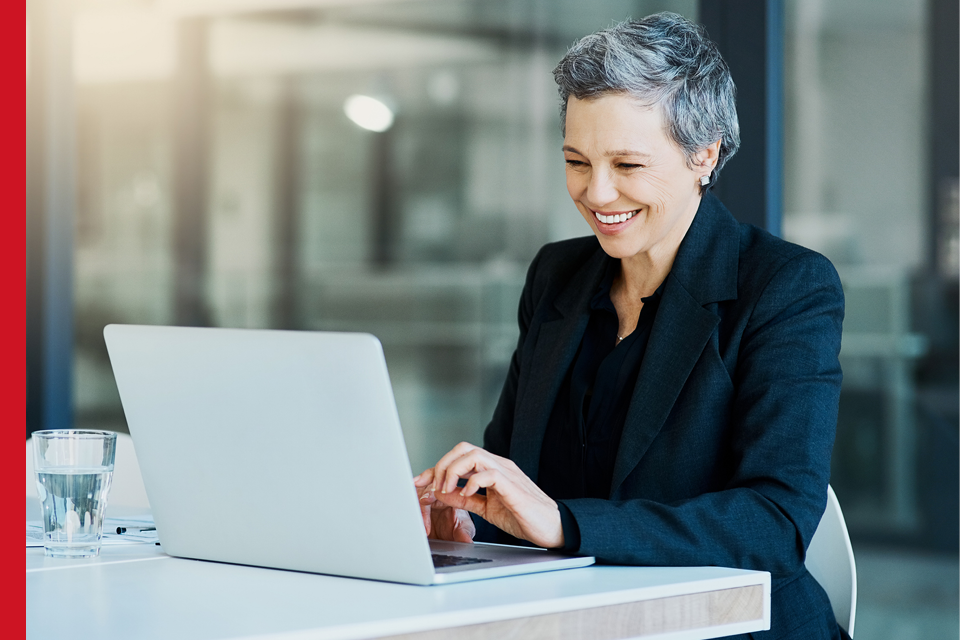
{"x": 706, "y": 159}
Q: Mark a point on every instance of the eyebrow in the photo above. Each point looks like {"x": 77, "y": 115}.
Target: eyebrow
{"x": 611, "y": 154}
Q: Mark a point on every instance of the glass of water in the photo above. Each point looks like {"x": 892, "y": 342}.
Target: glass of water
{"x": 74, "y": 469}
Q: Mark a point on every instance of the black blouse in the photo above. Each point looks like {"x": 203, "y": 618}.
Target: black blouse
{"x": 583, "y": 433}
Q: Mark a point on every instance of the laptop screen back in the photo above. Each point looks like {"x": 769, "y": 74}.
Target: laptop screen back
{"x": 272, "y": 448}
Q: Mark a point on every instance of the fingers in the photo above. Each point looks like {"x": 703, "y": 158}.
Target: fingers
{"x": 464, "y": 461}
{"x": 423, "y": 483}
{"x": 426, "y": 509}
{"x": 478, "y": 461}
{"x": 479, "y": 467}
{"x": 425, "y": 513}
{"x": 464, "y": 529}
{"x": 474, "y": 503}
{"x": 441, "y": 520}
{"x": 444, "y": 482}
{"x": 513, "y": 502}
{"x": 423, "y": 479}
{"x": 447, "y": 523}
{"x": 481, "y": 480}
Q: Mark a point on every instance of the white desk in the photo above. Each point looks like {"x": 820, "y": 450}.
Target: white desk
{"x": 140, "y": 592}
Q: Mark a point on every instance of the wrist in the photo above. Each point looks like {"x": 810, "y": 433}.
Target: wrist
{"x": 571, "y": 530}
{"x": 556, "y": 538}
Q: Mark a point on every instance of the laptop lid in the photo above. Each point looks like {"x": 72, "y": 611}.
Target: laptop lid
{"x": 278, "y": 449}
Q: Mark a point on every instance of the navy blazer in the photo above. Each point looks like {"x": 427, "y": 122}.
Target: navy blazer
{"x": 725, "y": 453}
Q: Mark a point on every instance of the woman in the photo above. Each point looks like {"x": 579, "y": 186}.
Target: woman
{"x": 673, "y": 396}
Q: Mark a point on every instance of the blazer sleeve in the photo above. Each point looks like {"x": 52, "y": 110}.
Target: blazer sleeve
{"x": 781, "y": 431}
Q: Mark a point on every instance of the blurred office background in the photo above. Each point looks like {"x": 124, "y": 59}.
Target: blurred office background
{"x": 193, "y": 162}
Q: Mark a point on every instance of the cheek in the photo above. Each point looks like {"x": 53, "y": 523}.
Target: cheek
{"x": 577, "y": 182}
{"x": 572, "y": 186}
{"x": 587, "y": 215}
{"x": 657, "y": 191}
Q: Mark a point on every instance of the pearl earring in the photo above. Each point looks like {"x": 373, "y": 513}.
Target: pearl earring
{"x": 704, "y": 181}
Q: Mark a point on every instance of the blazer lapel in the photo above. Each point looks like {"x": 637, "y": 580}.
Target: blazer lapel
{"x": 705, "y": 271}
{"x": 556, "y": 346}
{"x": 679, "y": 333}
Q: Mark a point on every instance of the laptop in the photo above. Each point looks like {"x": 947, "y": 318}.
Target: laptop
{"x": 283, "y": 449}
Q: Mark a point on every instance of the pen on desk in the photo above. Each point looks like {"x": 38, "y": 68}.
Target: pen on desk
{"x": 132, "y": 529}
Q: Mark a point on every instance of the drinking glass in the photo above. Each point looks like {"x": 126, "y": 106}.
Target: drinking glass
{"x": 74, "y": 469}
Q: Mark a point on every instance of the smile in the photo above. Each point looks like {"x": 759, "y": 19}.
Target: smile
{"x": 614, "y": 218}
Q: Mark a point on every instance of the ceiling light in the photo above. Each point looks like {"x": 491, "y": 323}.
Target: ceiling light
{"x": 368, "y": 113}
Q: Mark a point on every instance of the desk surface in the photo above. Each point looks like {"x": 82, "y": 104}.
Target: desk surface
{"x": 140, "y": 592}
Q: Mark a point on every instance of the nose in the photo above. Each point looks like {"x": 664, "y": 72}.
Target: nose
{"x": 601, "y": 189}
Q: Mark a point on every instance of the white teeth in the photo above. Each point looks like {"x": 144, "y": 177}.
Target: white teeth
{"x": 613, "y": 219}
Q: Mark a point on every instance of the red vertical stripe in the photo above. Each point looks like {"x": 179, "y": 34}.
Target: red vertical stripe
{"x": 13, "y": 387}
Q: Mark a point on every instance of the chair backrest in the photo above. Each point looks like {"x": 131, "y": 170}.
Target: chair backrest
{"x": 830, "y": 560}
{"x": 126, "y": 489}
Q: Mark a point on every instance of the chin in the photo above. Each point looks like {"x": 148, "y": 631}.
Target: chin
{"x": 617, "y": 248}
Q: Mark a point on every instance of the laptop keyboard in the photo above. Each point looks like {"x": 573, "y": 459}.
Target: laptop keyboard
{"x": 441, "y": 560}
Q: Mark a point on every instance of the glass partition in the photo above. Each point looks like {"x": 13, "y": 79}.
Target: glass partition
{"x": 863, "y": 186}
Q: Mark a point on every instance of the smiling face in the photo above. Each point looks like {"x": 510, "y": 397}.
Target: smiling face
{"x": 630, "y": 181}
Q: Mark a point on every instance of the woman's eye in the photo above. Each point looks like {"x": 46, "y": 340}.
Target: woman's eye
{"x": 576, "y": 163}
{"x": 625, "y": 165}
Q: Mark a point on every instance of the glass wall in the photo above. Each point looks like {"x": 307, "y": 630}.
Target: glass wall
{"x": 302, "y": 219}
{"x": 858, "y": 189}
{"x": 862, "y": 186}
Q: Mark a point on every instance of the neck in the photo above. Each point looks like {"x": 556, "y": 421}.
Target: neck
{"x": 641, "y": 274}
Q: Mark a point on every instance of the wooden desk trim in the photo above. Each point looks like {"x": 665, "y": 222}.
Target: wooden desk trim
{"x": 618, "y": 622}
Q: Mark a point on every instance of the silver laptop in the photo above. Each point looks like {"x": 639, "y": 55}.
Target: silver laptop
{"x": 283, "y": 449}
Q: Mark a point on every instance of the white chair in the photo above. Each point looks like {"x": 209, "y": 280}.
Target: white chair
{"x": 126, "y": 489}
{"x": 830, "y": 560}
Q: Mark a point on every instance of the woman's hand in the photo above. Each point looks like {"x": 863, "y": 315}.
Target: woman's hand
{"x": 441, "y": 521}
{"x": 514, "y": 503}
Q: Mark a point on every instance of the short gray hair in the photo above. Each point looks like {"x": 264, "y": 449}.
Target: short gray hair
{"x": 663, "y": 60}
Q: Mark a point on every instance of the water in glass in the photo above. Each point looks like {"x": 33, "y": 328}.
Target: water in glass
{"x": 73, "y": 502}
